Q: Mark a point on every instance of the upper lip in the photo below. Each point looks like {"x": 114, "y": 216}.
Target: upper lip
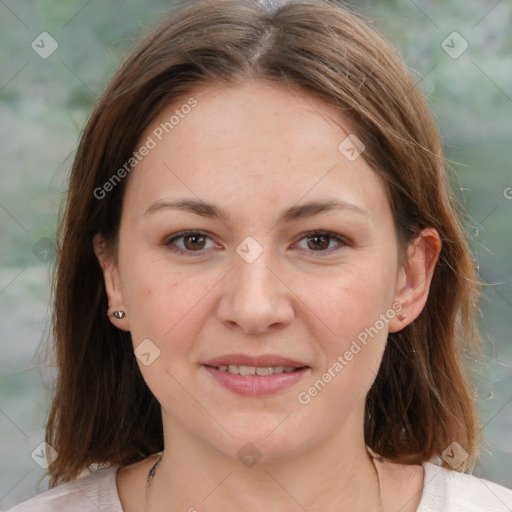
{"x": 264, "y": 360}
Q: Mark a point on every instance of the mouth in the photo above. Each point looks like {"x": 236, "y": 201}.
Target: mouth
{"x": 255, "y": 376}
{"x": 261, "y": 371}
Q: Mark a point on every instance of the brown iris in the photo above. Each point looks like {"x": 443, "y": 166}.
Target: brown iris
{"x": 194, "y": 244}
{"x": 322, "y": 245}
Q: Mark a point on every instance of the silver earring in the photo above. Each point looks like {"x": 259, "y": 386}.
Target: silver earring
{"x": 118, "y": 315}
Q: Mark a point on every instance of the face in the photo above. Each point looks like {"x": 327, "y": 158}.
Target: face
{"x": 260, "y": 278}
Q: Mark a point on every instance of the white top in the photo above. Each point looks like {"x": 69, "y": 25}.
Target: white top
{"x": 443, "y": 491}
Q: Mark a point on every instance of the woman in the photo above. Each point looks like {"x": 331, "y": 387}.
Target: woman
{"x": 263, "y": 289}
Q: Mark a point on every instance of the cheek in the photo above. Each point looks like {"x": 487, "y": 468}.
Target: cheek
{"x": 353, "y": 310}
{"x": 170, "y": 305}
{"x": 168, "y": 310}
{"x": 349, "y": 300}
{"x": 164, "y": 303}
{"x": 357, "y": 312}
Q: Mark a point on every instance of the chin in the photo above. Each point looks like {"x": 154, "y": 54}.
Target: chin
{"x": 269, "y": 438}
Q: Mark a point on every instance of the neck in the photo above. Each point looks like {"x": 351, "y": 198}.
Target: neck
{"x": 325, "y": 478}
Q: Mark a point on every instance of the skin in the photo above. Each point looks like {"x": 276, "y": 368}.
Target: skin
{"x": 255, "y": 149}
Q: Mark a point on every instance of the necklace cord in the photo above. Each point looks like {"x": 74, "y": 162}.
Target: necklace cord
{"x": 152, "y": 471}
{"x": 373, "y": 458}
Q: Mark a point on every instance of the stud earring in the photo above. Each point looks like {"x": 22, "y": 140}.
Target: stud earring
{"x": 400, "y": 317}
{"x": 118, "y": 315}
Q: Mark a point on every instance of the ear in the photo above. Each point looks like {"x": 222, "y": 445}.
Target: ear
{"x": 414, "y": 278}
{"x": 112, "y": 283}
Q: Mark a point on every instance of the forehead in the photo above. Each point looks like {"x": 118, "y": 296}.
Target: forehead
{"x": 255, "y": 115}
{"x": 255, "y": 143}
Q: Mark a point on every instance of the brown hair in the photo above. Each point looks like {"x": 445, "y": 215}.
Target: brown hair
{"x": 421, "y": 401}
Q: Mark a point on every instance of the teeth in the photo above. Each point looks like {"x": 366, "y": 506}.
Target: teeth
{"x": 246, "y": 370}
{"x": 267, "y": 371}
{"x": 253, "y": 370}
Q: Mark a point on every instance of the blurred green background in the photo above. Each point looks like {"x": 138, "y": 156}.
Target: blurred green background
{"x": 44, "y": 103}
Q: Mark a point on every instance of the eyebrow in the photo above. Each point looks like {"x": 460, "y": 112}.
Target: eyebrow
{"x": 293, "y": 213}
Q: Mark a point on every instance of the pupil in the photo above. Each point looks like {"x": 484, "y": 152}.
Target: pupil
{"x": 320, "y": 237}
{"x": 193, "y": 245}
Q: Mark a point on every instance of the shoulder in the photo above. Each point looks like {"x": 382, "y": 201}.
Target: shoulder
{"x": 92, "y": 492}
{"x": 446, "y": 490}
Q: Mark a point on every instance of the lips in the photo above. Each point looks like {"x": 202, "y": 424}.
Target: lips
{"x": 255, "y": 375}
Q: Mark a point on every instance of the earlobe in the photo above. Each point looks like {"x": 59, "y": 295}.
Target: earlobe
{"x": 414, "y": 279}
{"x": 117, "y": 311}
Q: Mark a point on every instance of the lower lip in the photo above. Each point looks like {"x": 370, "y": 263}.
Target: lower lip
{"x": 255, "y": 385}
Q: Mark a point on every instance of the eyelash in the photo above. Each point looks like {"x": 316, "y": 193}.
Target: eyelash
{"x": 310, "y": 234}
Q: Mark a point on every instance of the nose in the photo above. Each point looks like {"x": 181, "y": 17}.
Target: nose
{"x": 256, "y": 298}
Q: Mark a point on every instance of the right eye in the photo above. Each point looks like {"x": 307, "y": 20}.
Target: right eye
{"x": 187, "y": 242}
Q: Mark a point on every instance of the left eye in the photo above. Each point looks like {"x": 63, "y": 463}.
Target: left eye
{"x": 319, "y": 241}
